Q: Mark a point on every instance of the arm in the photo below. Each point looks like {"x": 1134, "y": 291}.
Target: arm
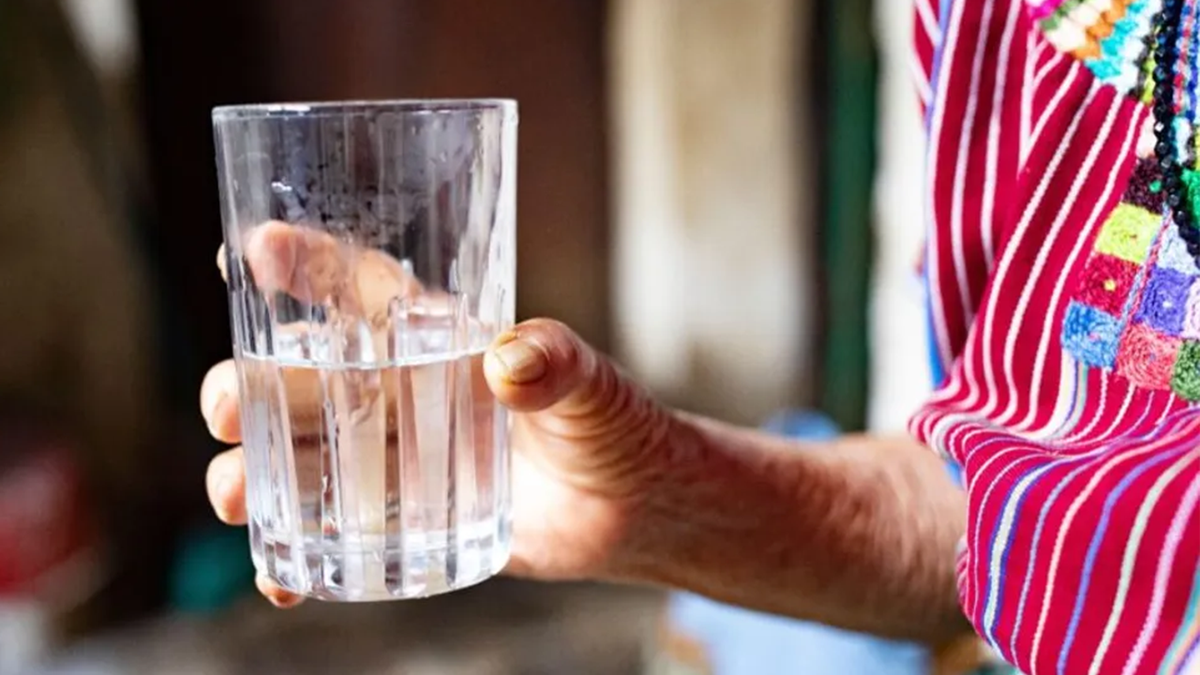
{"x": 859, "y": 533}
{"x": 608, "y": 483}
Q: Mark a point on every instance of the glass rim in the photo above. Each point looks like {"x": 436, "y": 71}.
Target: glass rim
{"x": 359, "y": 107}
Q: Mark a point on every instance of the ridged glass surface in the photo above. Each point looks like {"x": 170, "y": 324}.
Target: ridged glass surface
{"x": 370, "y": 259}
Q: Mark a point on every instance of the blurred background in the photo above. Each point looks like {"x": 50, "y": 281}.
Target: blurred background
{"x": 722, "y": 193}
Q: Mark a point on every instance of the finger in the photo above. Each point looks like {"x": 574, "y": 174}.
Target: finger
{"x": 543, "y": 365}
{"x": 222, "y": 266}
{"x": 307, "y": 264}
{"x": 219, "y": 402}
{"x": 582, "y": 419}
{"x": 276, "y": 595}
{"x": 314, "y": 267}
{"x": 310, "y": 393}
{"x": 306, "y": 391}
{"x": 380, "y": 280}
{"x": 226, "y": 483}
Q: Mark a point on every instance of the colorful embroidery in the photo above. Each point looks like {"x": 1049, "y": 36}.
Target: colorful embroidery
{"x": 1164, "y": 301}
{"x": 1173, "y": 253}
{"x": 1186, "y": 379}
{"x": 1128, "y": 233}
{"x": 1091, "y": 335}
{"x": 1191, "y": 319}
{"x": 1106, "y": 283}
{"x": 1146, "y": 357}
{"x": 1145, "y": 189}
{"x": 1109, "y": 36}
{"x": 1136, "y": 308}
{"x": 1192, "y": 180}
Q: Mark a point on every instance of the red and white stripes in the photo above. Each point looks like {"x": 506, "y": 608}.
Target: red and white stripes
{"x": 1084, "y": 527}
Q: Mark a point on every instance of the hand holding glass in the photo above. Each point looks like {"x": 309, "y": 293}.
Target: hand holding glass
{"x": 370, "y": 259}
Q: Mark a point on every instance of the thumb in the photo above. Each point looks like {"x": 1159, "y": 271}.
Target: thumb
{"x": 541, "y": 365}
{"x": 597, "y": 429}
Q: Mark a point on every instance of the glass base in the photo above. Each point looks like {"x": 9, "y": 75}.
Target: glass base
{"x": 374, "y": 568}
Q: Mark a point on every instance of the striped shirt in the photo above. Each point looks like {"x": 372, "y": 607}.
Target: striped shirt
{"x": 1065, "y": 315}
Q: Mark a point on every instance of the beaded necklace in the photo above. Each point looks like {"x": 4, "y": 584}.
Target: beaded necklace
{"x": 1167, "y": 78}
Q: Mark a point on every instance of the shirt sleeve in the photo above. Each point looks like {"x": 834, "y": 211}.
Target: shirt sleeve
{"x": 1067, "y": 313}
{"x": 927, "y": 36}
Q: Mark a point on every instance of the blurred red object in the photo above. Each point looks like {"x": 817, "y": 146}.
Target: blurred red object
{"x": 47, "y": 539}
{"x": 48, "y": 561}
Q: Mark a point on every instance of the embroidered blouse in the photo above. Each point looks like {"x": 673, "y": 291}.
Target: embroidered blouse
{"x": 1064, "y": 311}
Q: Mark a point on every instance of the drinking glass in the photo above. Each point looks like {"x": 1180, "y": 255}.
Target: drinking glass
{"x": 370, "y": 260}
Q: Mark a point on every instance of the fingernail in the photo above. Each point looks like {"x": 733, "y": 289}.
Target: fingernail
{"x": 211, "y": 407}
{"x": 224, "y": 488}
{"x": 522, "y": 361}
{"x": 221, "y": 485}
{"x": 274, "y": 594}
{"x": 220, "y": 480}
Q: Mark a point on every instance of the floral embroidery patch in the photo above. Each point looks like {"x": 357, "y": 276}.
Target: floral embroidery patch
{"x": 1136, "y": 307}
{"x": 1128, "y": 233}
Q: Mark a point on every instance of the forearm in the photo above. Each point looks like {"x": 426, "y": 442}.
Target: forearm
{"x": 859, "y": 533}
